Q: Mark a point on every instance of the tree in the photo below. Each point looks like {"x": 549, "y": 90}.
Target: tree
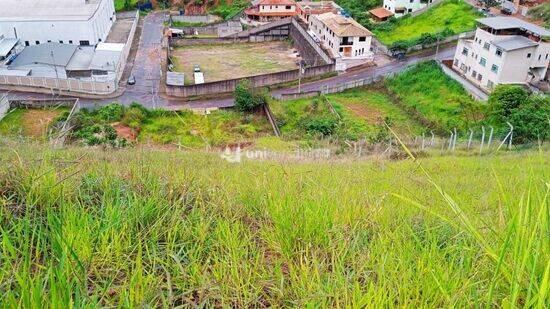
{"x": 504, "y": 99}
{"x": 541, "y": 12}
{"x": 246, "y": 97}
{"x": 529, "y": 114}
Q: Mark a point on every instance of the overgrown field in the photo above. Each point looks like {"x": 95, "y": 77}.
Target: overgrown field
{"x": 445, "y": 19}
{"x": 117, "y": 126}
{"x": 136, "y": 228}
{"x": 436, "y": 97}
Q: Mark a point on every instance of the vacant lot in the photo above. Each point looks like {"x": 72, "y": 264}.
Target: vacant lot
{"x": 228, "y": 61}
{"x": 28, "y": 122}
{"x": 451, "y": 16}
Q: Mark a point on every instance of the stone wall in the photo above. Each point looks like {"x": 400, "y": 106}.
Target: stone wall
{"x": 310, "y": 51}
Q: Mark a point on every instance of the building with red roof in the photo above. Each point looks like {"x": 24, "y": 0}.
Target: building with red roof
{"x": 271, "y": 10}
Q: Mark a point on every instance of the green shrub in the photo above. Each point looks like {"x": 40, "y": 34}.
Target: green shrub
{"x": 320, "y": 125}
{"x": 247, "y": 98}
{"x": 112, "y": 112}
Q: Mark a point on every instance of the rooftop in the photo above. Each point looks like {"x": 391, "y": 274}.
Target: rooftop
{"x": 276, "y": 2}
{"x": 40, "y": 10}
{"x": 342, "y": 26}
{"x": 318, "y": 6}
{"x": 514, "y": 42}
{"x": 504, "y": 22}
{"x": 47, "y": 53}
{"x": 6, "y": 45}
{"x": 381, "y": 12}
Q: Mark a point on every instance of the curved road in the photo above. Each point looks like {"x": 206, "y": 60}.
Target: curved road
{"x": 147, "y": 70}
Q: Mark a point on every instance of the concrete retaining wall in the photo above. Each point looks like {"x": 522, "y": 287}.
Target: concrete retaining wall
{"x": 310, "y": 51}
{"x": 70, "y": 85}
{"x": 127, "y": 47}
{"x": 4, "y": 106}
{"x": 227, "y": 86}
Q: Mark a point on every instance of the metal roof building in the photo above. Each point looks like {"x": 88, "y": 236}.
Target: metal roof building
{"x": 78, "y": 22}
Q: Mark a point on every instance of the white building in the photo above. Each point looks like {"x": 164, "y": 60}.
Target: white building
{"x": 55, "y": 60}
{"x": 402, "y": 7}
{"x": 78, "y": 22}
{"x": 343, "y": 37}
{"x": 505, "y": 50}
{"x": 264, "y": 11}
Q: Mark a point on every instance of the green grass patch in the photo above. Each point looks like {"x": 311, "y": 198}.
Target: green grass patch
{"x": 195, "y": 131}
{"x": 447, "y": 18}
{"x": 436, "y": 97}
{"x": 12, "y": 123}
{"x": 33, "y": 122}
{"x": 125, "y": 5}
{"x": 229, "y": 10}
{"x": 139, "y": 228}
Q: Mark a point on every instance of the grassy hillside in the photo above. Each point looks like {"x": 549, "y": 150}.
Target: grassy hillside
{"x": 449, "y": 17}
{"x": 436, "y": 97}
{"x": 138, "y": 228}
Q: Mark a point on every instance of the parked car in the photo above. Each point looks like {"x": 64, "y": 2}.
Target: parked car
{"x": 506, "y": 11}
{"x": 131, "y": 80}
{"x": 197, "y": 68}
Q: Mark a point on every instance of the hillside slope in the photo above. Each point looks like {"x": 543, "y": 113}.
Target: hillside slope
{"x": 163, "y": 228}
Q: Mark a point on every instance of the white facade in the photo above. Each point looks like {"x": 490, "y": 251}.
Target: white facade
{"x": 502, "y": 56}
{"x": 288, "y": 8}
{"x": 403, "y": 7}
{"x": 344, "y": 37}
{"x": 79, "y": 22}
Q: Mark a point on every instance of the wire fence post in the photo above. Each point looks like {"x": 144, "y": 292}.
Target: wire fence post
{"x": 470, "y": 138}
{"x": 454, "y": 141}
{"x": 490, "y": 138}
{"x": 482, "y": 139}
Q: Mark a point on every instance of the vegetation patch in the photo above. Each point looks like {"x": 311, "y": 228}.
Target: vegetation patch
{"x": 170, "y": 229}
{"x": 438, "y": 100}
{"x": 34, "y": 123}
{"x": 445, "y": 19}
{"x": 118, "y": 126}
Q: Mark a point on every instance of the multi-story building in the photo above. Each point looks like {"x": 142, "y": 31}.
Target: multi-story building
{"x": 342, "y": 36}
{"x": 78, "y": 22}
{"x": 402, "y": 7}
{"x": 505, "y": 50}
{"x": 308, "y": 8}
{"x": 266, "y": 11}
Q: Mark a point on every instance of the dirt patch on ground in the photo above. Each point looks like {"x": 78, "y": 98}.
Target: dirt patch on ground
{"x": 368, "y": 113}
{"x": 125, "y": 131}
{"x": 228, "y": 61}
{"x": 35, "y": 122}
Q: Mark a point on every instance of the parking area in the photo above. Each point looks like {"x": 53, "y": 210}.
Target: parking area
{"x": 228, "y": 61}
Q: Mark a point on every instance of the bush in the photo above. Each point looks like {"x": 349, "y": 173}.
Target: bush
{"x": 529, "y": 114}
{"x": 323, "y": 125}
{"x": 247, "y": 98}
{"x": 112, "y": 112}
{"x": 133, "y": 118}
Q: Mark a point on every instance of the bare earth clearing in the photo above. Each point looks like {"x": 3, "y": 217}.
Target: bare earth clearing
{"x": 228, "y": 61}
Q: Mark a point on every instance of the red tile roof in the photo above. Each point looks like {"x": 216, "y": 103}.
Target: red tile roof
{"x": 277, "y": 2}
{"x": 381, "y": 12}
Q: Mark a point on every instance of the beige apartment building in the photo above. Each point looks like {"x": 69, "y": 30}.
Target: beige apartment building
{"x": 505, "y": 50}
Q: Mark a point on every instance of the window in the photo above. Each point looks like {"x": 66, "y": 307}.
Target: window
{"x": 410, "y": 10}
{"x": 474, "y": 74}
{"x": 479, "y": 76}
{"x": 465, "y": 51}
{"x": 486, "y": 45}
{"x": 84, "y": 43}
{"x": 463, "y": 67}
{"x": 60, "y": 41}
{"x": 37, "y": 42}
{"x": 546, "y": 56}
{"x": 288, "y": 7}
{"x": 411, "y": 1}
{"x": 362, "y": 38}
{"x": 529, "y": 55}
{"x": 27, "y": 43}
{"x": 341, "y": 49}
{"x": 498, "y": 52}
{"x": 482, "y": 61}
{"x": 490, "y": 84}
{"x": 49, "y": 41}
{"x": 70, "y": 42}
{"x": 494, "y": 68}
{"x": 456, "y": 63}
{"x": 540, "y": 56}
